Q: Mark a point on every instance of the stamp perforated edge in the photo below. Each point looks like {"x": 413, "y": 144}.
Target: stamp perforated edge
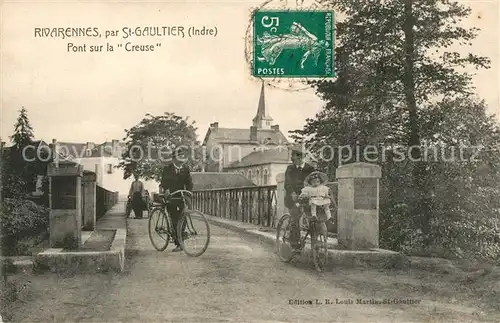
{"x": 293, "y": 77}
{"x": 269, "y": 81}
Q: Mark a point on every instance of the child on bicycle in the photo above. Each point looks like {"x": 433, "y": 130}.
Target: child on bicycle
{"x": 317, "y": 193}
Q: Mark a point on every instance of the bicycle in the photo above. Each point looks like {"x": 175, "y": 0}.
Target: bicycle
{"x": 160, "y": 223}
{"x": 317, "y": 232}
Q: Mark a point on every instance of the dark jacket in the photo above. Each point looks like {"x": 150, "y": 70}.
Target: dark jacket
{"x": 294, "y": 182}
{"x": 174, "y": 180}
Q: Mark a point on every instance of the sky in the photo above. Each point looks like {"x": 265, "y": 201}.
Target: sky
{"x": 93, "y": 97}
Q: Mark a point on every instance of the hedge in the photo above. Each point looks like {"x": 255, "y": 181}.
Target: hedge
{"x": 21, "y": 220}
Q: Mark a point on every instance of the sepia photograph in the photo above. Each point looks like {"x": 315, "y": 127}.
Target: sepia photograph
{"x": 250, "y": 161}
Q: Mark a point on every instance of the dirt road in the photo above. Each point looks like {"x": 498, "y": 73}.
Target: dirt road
{"x": 236, "y": 280}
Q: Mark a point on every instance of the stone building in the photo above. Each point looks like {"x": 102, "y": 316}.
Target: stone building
{"x": 262, "y": 167}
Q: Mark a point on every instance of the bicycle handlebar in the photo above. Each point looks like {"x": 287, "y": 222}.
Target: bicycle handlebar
{"x": 181, "y": 192}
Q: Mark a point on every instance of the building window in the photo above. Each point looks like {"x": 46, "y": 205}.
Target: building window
{"x": 266, "y": 177}
{"x": 257, "y": 180}
{"x": 109, "y": 168}
{"x": 249, "y": 175}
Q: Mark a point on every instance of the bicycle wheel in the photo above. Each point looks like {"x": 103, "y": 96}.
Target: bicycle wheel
{"x": 283, "y": 247}
{"x": 319, "y": 246}
{"x": 193, "y": 231}
{"x": 159, "y": 229}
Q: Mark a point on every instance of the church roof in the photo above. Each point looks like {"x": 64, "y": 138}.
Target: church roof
{"x": 234, "y": 135}
{"x": 262, "y": 112}
{"x": 272, "y": 156}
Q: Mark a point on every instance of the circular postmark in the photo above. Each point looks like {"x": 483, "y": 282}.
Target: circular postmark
{"x": 311, "y": 47}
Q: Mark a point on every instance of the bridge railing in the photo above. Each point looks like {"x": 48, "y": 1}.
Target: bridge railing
{"x": 252, "y": 204}
{"x": 104, "y": 200}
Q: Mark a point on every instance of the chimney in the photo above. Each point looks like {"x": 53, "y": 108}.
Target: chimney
{"x": 214, "y": 125}
{"x": 115, "y": 147}
{"x": 253, "y": 133}
{"x": 54, "y": 145}
{"x": 275, "y": 128}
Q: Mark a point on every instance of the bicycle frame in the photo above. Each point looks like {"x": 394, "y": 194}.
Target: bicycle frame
{"x": 311, "y": 229}
{"x": 167, "y": 200}
{"x": 318, "y": 239}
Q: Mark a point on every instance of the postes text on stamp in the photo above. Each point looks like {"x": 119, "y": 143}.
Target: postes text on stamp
{"x": 293, "y": 44}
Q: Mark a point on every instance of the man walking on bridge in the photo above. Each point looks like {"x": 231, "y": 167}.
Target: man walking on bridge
{"x": 176, "y": 176}
{"x": 294, "y": 182}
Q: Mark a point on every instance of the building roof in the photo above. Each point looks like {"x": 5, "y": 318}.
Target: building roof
{"x": 271, "y": 156}
{"x": 37, "y": 144}
{"x": 79, "y": 150}
{"x": 109, "y": 144}
{"x": 206, "y": 180}
{"x": 233, "y": 135}
{"x": 71, "y": 150}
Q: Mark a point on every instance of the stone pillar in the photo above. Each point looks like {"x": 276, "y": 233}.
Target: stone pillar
{"x": 65, "y": 194}
{"x": 280, "y": 197}
{"x": 2, "y": 145}
{"x": 89, "y": 206}
{"x": 358, "y": 206}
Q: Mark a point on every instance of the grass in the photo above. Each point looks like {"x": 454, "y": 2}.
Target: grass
{"x": 99, "y": 240}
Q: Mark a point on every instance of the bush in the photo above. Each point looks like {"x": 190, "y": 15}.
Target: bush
{"x": 21, "y": 219}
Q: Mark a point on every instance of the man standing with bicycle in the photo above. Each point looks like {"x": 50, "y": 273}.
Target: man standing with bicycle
{"x": 294, "y": 182}
{"x": 176, "y": 176}
{"x": 135, "y": 198}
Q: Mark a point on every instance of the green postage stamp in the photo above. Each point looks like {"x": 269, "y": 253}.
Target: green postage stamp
{"x": 293, "y": 44}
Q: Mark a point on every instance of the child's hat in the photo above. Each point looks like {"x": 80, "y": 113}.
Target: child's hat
{"x": 323, "y": 178}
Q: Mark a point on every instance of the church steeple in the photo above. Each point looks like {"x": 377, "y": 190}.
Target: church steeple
{"x": 262, "y": 119}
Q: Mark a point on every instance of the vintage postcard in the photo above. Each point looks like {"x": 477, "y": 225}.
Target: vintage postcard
{"x": 250, "y": 161}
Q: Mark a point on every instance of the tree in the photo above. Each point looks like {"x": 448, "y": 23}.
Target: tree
{"x": 18, "y": 172}
{"x": 23, "y": 132}
{"x": 151, "y": 142}
{"x": 399, "y": 84}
